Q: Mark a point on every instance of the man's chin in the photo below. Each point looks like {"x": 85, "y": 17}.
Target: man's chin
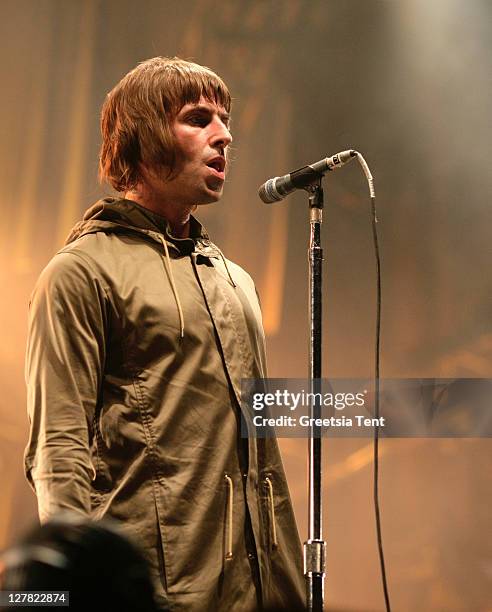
{"x": 211, "y": 196}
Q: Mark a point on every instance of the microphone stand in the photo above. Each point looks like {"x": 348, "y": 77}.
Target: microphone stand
{"x": 315, "y": 547}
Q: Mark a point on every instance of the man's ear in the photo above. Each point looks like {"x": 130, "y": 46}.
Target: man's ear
{"x": 151, "y": 174}
{"x": 147, "y": 173}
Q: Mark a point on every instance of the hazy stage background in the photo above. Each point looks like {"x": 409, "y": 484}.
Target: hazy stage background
{"x": 405, "y": 82}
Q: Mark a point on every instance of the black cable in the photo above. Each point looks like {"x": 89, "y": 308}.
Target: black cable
{"x": 376, "y": 408}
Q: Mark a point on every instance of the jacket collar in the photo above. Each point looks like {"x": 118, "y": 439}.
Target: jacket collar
{"x": 111, "y": 214}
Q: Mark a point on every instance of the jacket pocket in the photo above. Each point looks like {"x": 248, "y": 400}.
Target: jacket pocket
{"x": 161, "y": 563}
{"x": 229, "y": 517}
{"x": 269, "y": 499}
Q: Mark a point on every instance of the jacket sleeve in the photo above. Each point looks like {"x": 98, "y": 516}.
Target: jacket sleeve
{"x": 64, "y": 368}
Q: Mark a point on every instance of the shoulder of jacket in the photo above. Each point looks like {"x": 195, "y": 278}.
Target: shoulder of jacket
{"x": 69, "y": 270}
{"x": 73, "y": 257}
{"x": 94, "y": 251}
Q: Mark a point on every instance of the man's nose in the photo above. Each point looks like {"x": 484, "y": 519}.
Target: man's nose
{"x": 221, "y": 135}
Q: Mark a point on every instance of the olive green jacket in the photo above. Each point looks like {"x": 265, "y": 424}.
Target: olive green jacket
{"x": 137, "y": 346}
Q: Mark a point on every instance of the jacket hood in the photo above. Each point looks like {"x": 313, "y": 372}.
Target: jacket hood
{"x": 120, "y": 215}
{"x": 125, "y": 216}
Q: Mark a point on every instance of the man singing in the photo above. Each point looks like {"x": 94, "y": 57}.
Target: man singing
{"x": 140, "y": 333}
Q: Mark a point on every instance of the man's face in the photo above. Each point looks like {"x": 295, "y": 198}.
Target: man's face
{"x": 202, "y": 137}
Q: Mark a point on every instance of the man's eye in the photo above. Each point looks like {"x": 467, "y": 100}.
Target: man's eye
{"x": 198, "y": 120}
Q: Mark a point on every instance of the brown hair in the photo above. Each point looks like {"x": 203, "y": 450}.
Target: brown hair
{"x": 137, "y": 114}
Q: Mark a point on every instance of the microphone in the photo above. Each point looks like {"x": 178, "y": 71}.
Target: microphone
{"x": 276, "y": 189}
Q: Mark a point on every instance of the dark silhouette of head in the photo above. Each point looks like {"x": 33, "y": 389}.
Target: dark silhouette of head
{"x": 94, "y": 561}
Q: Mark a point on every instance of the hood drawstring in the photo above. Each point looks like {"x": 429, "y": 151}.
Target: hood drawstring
{"x": 226, "y": 266}
{"x": 272, "y": 512}
{"x": 229, "y": 517}
{"x": 169, "y": 270}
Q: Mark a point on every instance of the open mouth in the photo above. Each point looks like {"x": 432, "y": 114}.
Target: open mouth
{"x": 217, "y": 164}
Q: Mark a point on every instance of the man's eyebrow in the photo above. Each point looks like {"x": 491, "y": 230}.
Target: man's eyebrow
{"x": 202, "y": 108}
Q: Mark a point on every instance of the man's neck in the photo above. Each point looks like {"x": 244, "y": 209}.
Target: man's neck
{"x": 177, "y": 215}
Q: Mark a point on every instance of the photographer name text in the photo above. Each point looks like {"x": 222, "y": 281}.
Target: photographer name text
{"x": 306, "y": 421}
